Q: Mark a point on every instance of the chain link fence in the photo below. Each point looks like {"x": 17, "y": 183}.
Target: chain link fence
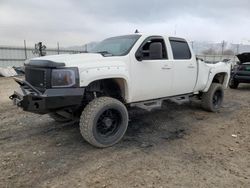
{"x": 15, "y": 56}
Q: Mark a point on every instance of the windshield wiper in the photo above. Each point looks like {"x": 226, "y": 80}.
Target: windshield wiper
{"x": 105, "y": 53}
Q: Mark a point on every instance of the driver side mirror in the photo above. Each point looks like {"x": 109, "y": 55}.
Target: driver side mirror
{"x": 139, "y": 55}
{"x": 155, "y": 50}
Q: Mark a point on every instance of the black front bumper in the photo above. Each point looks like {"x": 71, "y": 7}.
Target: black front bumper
{"x": 32, "y": 100}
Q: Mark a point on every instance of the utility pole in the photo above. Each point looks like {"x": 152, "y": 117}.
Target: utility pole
{"x": 238, "y": 48}
{"x": 58, "y": 51}
{"x": 222, "y": 47}
{"x": 192, "y": 44}
{"x": 86, "y": 47}
{"x": 25, "y": 49}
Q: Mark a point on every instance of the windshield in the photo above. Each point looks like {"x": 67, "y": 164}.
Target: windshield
{"x": 116, "y": 46}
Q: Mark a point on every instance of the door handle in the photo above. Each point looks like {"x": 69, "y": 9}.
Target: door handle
{"x": 166, "y": 67}
{"x": 191, "y": 66}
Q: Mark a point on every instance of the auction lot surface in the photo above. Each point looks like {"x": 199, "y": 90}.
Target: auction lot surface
{"x": 177, "y": 146}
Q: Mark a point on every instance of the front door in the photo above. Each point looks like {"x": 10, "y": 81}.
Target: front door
{"x": 151, "y": 77}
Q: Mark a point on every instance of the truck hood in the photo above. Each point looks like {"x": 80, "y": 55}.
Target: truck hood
{"x": 244, "y": 57}
{"x": 83, "y": 60}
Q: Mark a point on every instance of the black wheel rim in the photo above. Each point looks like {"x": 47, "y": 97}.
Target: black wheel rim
{"x": 217, "y": 99}
{"x": 108, "y": 123}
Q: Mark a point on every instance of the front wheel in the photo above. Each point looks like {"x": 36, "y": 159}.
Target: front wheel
{"x": 104, "y": 122}
{"x": 213, "y": 98}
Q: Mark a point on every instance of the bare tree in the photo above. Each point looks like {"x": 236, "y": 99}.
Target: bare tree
{"x": 209, "y": 51}
{"x": 228, "y": 52}
{"x": 40, "y": 49}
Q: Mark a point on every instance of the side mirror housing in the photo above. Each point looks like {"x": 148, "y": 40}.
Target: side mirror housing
{"x": 155, "y": 50}
{"x": 139, "y": 55}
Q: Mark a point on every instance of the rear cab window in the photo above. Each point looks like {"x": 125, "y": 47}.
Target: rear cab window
{"x": 180, "y": 48}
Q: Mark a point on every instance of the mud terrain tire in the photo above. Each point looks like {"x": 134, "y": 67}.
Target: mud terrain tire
{"x": 104, "y": 122}
{"x": 213, "y": 98}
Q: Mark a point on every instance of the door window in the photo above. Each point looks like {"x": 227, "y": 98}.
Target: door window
{"x": 144, "y": 49}
{"x": 180, "y": 49}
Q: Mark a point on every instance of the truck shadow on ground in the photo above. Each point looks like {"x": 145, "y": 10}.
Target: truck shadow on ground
{"x": 147, "y": 129}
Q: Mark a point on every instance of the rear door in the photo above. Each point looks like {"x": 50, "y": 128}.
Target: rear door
{"x": 184, "y": 66}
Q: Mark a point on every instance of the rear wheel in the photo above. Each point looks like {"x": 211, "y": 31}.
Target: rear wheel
{"x": 233, "y": 84}
{"x": 212, "y": 100}
{"x": 104, "y": 122}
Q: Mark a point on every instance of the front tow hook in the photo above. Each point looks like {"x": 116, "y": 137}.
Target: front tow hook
{"x": 15, "y": 100}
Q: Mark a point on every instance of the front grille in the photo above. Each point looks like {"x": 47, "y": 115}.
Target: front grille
{"x": 37, "y": 77}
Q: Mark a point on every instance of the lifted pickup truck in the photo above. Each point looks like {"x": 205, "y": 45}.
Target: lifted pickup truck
{"x": 97, "y": 88}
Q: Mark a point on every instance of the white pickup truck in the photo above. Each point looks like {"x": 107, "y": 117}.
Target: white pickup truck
{"x": 99, "y": 87}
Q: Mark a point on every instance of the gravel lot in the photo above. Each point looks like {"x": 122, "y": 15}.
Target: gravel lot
{"x": 177, "y": 146}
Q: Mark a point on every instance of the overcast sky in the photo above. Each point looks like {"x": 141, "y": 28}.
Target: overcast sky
{"x": 75, "y": 22}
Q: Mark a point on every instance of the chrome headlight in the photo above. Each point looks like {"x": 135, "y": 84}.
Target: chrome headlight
{"x": 64, "y": 77}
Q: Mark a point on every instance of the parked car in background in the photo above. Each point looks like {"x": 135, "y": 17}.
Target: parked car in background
{"x": 241, "y": 71}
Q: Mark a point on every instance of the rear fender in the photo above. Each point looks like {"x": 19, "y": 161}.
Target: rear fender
{"x": 219, "y": 68}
